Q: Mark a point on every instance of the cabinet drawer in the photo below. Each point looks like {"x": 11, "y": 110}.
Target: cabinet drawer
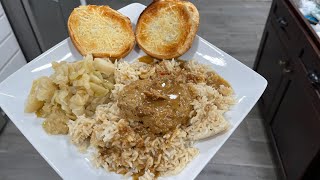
{"x": 309, "y": 55}
{"x": 286, "y": 25}
{"x": 309, "y": 58}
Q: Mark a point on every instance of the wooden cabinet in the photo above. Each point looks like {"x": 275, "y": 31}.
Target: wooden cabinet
{"x": 272, "y": 60}
{"x": 289, "y": 58}
{"x": 295, "y": 126}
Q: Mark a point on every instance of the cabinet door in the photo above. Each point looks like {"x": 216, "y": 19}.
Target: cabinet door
{"x": 271, "y": 57}
{"x": 49, "y": 20}
{"x": 296, "y": 124}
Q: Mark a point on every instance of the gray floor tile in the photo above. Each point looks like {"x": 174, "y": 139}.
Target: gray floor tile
{"x": 236, "y": 172}
{"x": 244, "y": 153}
{"x": 256, "y": 130}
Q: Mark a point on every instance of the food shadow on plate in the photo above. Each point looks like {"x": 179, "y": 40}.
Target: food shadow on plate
{"x": 133, "y": 26}
{"x": 137, "y": 49}
{"x": 190, "y": 54}
{"x": 134, "y": 54}
{"x": 74, "y": 50}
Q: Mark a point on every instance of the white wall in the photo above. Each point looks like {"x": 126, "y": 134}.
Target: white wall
{"x": 83, "y": 2}
{"x": 11, "y": 57}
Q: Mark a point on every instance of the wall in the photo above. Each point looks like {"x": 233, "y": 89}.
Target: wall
{"x": 11, "y": 57}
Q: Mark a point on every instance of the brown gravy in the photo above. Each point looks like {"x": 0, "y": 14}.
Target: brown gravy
{"x": 215, "y": 80}
{"x": 160, "y": 104}
{"x": 137, "y": 175}
{"x": 163, "y": 102}
{"x": 146, "y": 59}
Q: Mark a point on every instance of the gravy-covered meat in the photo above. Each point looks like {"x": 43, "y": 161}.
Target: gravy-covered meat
{"x": 161, "y": 104}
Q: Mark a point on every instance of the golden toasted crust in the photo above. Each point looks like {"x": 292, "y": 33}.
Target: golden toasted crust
{"x": 166, "y": 28}
{"x": 101, "y": 31}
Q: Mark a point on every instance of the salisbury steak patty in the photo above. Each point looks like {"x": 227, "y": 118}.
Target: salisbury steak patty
{"x": 160, "y": 104}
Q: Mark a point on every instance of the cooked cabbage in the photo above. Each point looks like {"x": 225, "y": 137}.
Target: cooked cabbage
{"x": 104, "y": 66}
{"x": 74, "y": 89}
{"x": 33, "y": 104}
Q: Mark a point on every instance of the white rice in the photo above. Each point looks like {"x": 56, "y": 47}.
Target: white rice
{"x": 166, "y": 155}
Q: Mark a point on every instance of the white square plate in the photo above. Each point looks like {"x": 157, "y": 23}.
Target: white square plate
{"x": 64, "y": 157}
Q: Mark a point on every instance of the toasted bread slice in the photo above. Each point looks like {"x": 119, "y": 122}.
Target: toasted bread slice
{"x": 166, "y": 28}
{"x": 101, "y": 31}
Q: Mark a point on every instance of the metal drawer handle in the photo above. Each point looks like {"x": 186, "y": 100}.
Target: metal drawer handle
{"x": 283, "y": 62}
{"x": 282, "y": 22}
{"x": 286, "y": 70}
{"x": 314, "y": 78}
